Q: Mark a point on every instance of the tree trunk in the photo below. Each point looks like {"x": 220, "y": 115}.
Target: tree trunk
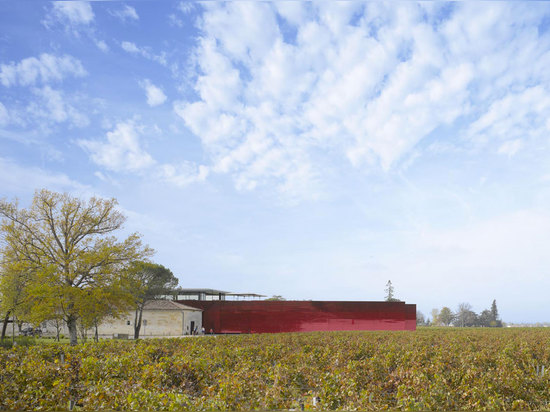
{"x": 57, "y": 328}
{"x": 83, "y": 333}
{"x": 71, "y": 325}
{"x": 137, "y": 321}
{"x": 5, "y": 325}
{"x": 96, "y": 334}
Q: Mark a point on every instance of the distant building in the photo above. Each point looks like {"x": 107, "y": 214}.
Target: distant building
{"x": 251, "y": 315}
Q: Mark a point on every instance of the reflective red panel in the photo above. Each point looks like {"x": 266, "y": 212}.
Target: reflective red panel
{"x": 303, "y": 316}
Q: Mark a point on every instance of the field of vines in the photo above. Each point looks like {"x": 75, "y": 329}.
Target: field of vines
{"x": 430, "y": 369}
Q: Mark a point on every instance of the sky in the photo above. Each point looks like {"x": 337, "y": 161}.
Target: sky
{"x": 313, "y": 150}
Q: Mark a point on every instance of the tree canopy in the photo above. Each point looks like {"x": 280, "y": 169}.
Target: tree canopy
{"x": 150, "y": 280}
{"x": 65, "y": 245}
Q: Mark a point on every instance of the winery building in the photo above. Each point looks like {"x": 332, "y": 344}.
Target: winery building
{"x": 225, "y": 312}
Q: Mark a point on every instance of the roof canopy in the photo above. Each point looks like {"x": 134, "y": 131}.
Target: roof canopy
{"x": 166, "y": 305}
{"x": 183, "y": 291}
{"x": 246, "y": 295}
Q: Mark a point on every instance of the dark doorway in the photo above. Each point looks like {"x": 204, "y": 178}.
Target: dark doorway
{"x": 192, "y": 327}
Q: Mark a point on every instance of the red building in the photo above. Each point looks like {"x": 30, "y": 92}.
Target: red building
{"x": 265, "y": 316}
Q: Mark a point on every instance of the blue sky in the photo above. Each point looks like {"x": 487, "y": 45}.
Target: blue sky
{"x": 307, "y": 149}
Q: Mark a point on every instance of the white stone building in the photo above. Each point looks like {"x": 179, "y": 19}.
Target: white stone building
{"x": 160, "y": 318}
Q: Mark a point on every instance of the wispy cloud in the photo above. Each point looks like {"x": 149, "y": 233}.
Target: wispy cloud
{"x": 145, "y": 52}
{"x": 368, "y": 81}
{"x": 102, "y": 45}
{"x": 183, "y": 174}
{"x": 52, "y": 106}
{"x": 42, "y": 69}
{"x": 71, "y": 14}
{"x": 516, "y": 116}
{"x": 127, "y": 13}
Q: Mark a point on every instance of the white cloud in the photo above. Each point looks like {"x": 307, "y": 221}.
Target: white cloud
{"x": 185, "y": 7}
{"x": 145, "y": 52}
{"x": 125, "y": 14}
{"x": 519, "y": 116}
{"x": 70, "y": 14}
{"x": 121, "y": 151}
{"x": 52, "y": 106}
{"x": 183, "y": 174}
{"x": 155, "y": 95}
{"x": 368, "y": 81}
{"x": 44, "y": 69}
{"x": 101, "y": 45}
{"x": 129, "y": 47}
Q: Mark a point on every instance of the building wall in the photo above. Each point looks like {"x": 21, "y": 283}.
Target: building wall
{"x": 303, "y": 316}
{"x": 154, "y": 323}
{"x": 192, "y": 319}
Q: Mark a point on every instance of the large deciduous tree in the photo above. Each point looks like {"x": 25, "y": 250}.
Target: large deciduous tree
{"x": 66, "y": 244}
{"x": 151, "y": 281}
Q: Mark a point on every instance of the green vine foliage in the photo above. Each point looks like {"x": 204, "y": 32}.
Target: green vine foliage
{"x": 430, "y": 369}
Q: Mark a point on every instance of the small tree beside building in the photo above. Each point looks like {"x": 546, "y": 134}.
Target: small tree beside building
{"x": 150, "y": 281}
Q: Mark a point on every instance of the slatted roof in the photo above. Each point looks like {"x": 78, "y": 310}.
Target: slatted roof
{"x": 166, "y": 305}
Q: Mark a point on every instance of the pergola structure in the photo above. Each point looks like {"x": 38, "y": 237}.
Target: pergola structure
{"x": 212, "y": 294}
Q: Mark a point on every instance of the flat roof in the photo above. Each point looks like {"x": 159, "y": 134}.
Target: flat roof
{"x": 183, "y": 291}
{"x": 166, "y": 305}
{"x": 254, "y": 295}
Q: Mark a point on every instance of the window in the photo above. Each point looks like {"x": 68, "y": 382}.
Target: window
{"x": 128, "y": 322}
{"x": 144, "y": 322}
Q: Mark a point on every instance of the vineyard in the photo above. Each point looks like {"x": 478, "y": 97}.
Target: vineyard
{"x": 452, "y": 369}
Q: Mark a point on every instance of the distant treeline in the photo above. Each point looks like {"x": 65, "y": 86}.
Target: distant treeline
{"x": 464, "y": 316}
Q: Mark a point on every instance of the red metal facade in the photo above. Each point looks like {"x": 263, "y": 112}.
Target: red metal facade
{"x": 303, "y": 316}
